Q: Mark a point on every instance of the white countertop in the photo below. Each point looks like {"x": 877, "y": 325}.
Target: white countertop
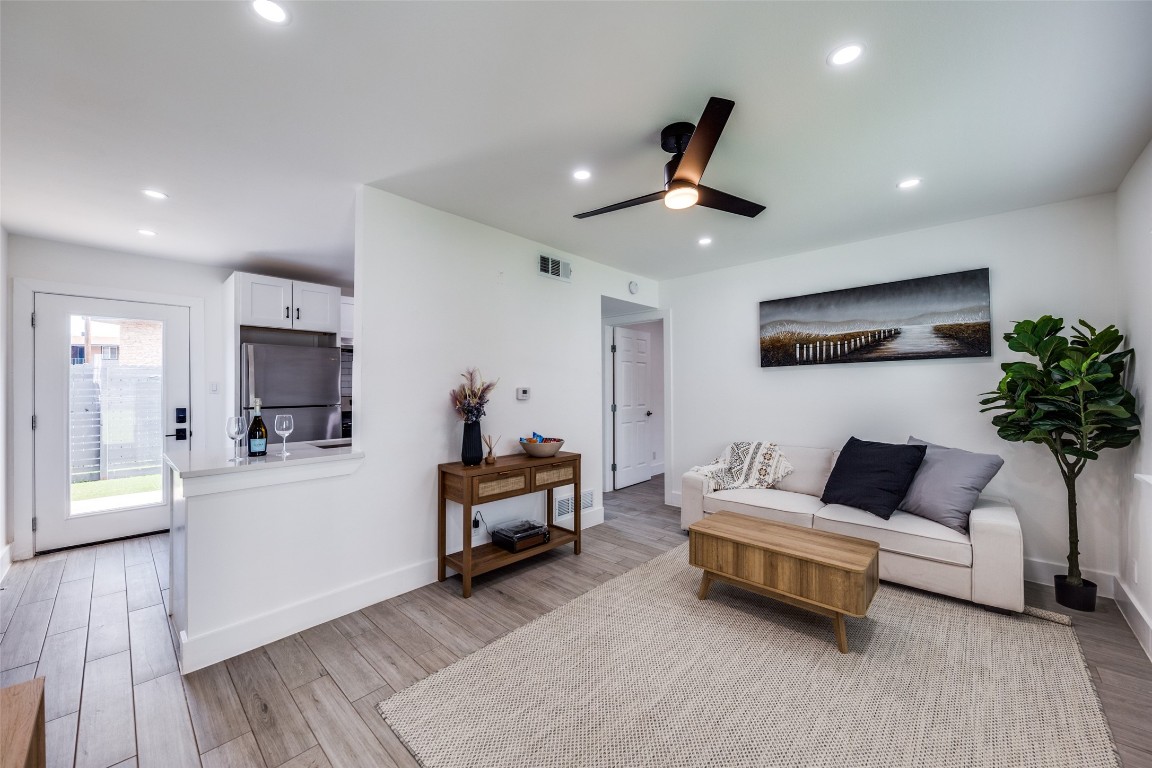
{"x": 299, "y": 455}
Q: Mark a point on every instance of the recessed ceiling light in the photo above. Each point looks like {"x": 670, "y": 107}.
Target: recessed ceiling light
{"x": 270, "y": 11}
{"x": 845, "y": 54}
{"x": 155, "y": 194}
{"x": 909, "y": 184}
{"x": 146, "y": 232}
{"x": 582, "y": 174}
{"x": 705, "y": 241}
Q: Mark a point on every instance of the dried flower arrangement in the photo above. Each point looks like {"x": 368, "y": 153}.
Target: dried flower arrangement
{"x": 470, "y": 397}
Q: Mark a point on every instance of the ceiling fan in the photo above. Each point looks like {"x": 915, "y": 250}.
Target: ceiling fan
{"x": 691, "y": 147}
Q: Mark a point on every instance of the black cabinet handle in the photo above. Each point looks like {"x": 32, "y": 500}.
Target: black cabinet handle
{"x": 287, "y": 313}
{"x": 297, "y": 313}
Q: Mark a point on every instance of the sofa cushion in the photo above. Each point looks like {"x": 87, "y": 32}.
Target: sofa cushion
{"x": 904, "y": 533}
{"x": 872, "y": 476}
{"x": 948, "y": 483}
{"x": 766, "y": 503}
{"x": 810, "y": 468}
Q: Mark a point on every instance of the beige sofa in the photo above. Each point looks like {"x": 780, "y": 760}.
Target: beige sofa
{"x": 986, "y": 566}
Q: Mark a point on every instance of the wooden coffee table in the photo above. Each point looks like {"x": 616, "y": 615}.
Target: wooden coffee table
{"x": 826, "y": 573}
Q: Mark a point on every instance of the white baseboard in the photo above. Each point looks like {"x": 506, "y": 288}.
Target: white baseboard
{"x": 673, "y": 499}
{"x": 1135, "y": 616}
{"x": 591, "y": 517}
{"x": 657, "y": 468}
{"x": 1042, "y": 571}
{"x": 213, "y": 646}
{"x": 5, "y": 560}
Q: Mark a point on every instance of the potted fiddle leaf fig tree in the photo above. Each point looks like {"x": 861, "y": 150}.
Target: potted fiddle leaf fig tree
{"x": 1072, "y": 400}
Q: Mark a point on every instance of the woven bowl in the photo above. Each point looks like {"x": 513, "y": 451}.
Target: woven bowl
{"x": 542, "y": 450}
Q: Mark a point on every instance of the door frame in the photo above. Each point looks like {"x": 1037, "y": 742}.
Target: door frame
{"x": 671, "y": 490}
{"x": 23, "y": 386}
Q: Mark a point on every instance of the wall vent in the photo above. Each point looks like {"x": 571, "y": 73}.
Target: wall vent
{"x": 557, "y": 269}
{"x": 564, "y": 506}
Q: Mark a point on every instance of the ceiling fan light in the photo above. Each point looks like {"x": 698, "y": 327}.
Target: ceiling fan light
{"x": 681, "y": 195}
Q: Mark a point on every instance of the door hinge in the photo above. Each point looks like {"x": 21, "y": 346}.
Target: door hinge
{"x": 613, "y": 467}
{"x": 613, "y": 407}
{"x": 613, "y": 349}
{"x": 33, "y": 525}
{"x": 33, "y": 421}
{"x": 33, "y": 319}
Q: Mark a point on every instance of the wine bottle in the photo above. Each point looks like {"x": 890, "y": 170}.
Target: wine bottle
{"x": 257, "y": 432}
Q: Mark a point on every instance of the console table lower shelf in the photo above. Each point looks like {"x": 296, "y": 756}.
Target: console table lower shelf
{"x": 489, "y": 557}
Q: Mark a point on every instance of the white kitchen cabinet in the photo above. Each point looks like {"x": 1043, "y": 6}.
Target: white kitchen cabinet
{"x": 273, "y": 302}
{"x": 347, "y": 315}
{"x": 315, "y": 307}
{"x": 265, "y": 301}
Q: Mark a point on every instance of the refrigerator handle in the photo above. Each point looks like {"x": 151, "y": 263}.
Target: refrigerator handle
{"x": 251, "y": 375}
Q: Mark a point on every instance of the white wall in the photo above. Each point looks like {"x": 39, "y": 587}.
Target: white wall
{"x": 5, "y": 437}
{"x": 1134, "y": 234}
{"x": 32, "y": 258}
{"x": 437, "y": 294}
{"x": 1056, "y": 259}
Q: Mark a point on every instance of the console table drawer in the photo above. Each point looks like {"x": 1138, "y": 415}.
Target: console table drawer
{"x": 553, "y": 475}
{"x": 501, "y": 485}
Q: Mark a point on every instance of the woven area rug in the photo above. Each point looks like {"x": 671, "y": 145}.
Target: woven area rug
{"x": 638, "y": 672}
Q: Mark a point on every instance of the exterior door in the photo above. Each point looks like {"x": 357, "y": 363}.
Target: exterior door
{"x": 630, "y": 370}
{"x": 109, "y": 376}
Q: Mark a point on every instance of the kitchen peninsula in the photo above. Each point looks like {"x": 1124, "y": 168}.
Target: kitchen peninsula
{"x": 241, "y": 542}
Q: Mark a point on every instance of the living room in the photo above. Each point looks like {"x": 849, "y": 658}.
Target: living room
{"x": 440, "y": 290}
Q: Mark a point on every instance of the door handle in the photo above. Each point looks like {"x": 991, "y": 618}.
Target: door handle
{"x": 649, "y": 413}
{"x": 180, "y": 434}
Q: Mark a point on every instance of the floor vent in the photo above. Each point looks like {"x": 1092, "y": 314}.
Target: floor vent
{"x": 564, "y": 506}
{"x": 555, "y": 268}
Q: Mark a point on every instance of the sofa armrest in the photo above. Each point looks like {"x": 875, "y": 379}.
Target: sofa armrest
{"x": 997, "y": 555}
{"x": 692, "y": 486}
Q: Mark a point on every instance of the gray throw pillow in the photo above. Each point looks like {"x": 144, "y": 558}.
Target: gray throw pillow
{"x": 948, "y": 483}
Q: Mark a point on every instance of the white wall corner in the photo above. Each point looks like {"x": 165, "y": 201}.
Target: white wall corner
{"x": 672, "y": 498}
{"x": 5, "y": 560}
{"x": 1140, "y": 622}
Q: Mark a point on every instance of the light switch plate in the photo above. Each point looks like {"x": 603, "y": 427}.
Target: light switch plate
{"x": 522, "y": 393}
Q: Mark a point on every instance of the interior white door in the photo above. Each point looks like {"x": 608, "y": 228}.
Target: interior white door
{"x": 631, "y": 369}
{"x": 109, "y": 376}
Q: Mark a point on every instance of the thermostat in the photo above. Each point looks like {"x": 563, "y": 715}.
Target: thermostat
{"x": 521, "y": 393}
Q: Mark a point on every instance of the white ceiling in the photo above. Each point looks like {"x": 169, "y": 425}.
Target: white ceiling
{"x": 261, "y": 134}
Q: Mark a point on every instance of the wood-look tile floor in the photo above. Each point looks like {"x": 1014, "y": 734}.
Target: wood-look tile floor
{"x": 92, "y": 622}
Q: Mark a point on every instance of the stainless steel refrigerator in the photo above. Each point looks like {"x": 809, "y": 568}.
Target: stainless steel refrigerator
{"x": 302, "y": 381}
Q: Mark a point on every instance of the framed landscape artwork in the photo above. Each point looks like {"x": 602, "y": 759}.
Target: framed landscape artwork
{"x": 926, "y": 317}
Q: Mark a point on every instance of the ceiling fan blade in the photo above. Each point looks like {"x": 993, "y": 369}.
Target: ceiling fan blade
{"x": 722, "y": 201}
{"x": 626, "y": 204}
{"x": 704, "y": 140}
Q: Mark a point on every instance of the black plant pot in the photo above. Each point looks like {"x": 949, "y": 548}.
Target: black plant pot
{"x": 1082, "y": 598}
{"x": 472, "y": 448}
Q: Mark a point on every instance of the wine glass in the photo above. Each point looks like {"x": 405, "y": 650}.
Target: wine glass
{"x": 283, "y": 427}
{"x": 237, "y": 429}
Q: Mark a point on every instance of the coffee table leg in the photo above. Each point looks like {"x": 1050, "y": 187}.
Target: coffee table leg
{"x": 841, "y": 633}
{"x": 705, "y": 584}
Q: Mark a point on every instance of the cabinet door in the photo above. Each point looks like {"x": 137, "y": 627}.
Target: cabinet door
{"x": 316, "y": 307}
{"x": 347, "y": 310}
{"x": 265, "y": 301}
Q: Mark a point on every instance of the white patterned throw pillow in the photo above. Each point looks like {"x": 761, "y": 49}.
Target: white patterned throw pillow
{"x": 765, "y": 467}
{"x": 746, "y": 465}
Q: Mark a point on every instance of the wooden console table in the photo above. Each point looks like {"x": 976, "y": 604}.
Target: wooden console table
{"x": 510, "y": 476}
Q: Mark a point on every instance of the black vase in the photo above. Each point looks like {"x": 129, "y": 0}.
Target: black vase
{"x": 1077, "y": 598}
{"x": 472, "y": 449}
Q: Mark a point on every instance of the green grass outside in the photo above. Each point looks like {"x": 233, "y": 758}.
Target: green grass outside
{"x": 99, "y": 489}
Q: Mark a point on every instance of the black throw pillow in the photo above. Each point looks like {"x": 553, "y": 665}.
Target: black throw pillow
{"x": 873, "y": 476}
